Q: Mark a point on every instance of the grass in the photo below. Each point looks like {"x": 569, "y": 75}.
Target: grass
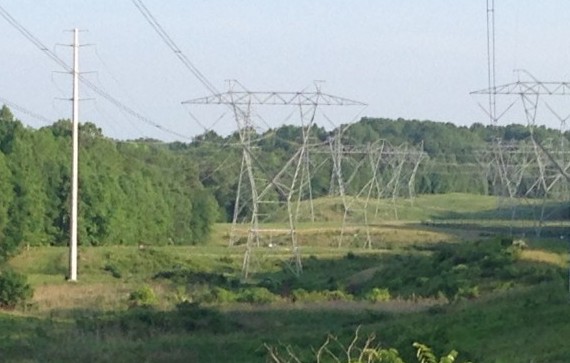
{"x": 331, "y": 209}
{"x": 451, "y": 206}
{"x": 445, "y": 291}
{"x": 426, "y": 219}
{"x": 522, "y": 325}
{"x": 546, "y": 257}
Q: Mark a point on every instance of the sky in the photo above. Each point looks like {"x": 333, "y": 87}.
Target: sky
{"x": 405, "y": 59}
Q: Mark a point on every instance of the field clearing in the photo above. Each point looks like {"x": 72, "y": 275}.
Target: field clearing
{"x": 426, "y": 219}
{"x": 450, "y": 283}
{"x": 46, "y": 266}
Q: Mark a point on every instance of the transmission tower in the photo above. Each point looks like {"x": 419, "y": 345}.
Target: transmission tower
{"x": 532, "y": 169}
{"x": 389, "y": 172}
{"x": 258, "y": 191}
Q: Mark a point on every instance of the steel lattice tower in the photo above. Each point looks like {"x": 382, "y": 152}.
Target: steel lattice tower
{"x": 256, "y": 188}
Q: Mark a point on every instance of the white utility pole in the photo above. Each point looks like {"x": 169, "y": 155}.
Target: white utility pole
{"x": 75, "y": 161}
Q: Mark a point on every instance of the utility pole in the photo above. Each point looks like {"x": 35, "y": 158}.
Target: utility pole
{"x": 75, "y": 160}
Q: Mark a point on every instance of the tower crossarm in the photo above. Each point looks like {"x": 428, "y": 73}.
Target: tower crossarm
{"x": 274, "y": 98}
{"x": 528, "y": 87}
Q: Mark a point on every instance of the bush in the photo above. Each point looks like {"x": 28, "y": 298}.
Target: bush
{"x": 142, "y": 297}
{"x": 217, "y": 295}
{"x": 114, "y": 270}
{"x": 337, "y": 295}
{"x": 146, "y": 322}
{"x": 256, "y": 295}
{"x": 378, "y": 295}
{"x": 351, "y": 256}
{"x": 191, "y": 317}
{"x": 468, "y": 292}
{"x": 303, "y": 295}
{"x": 358, "y": 351}
{"x": 14, "y": 289}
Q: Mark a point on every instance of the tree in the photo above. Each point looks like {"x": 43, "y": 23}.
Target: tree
{"x": 9, "y": 126}
{"x": 205, "y": 214}
{"x": 27, "y": 213}
{"x": 7, "y": 245}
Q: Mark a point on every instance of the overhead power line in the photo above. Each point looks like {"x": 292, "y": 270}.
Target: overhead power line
{"x": 24, "y": 110}
{"x": 101, "y": 92}
{"x": 172, "y": 45}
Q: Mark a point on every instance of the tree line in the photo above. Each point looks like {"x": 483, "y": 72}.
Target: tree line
{"x": 130, "y": 192}
{"x": 451, "y": 165}
{"x": 147, "y": 191}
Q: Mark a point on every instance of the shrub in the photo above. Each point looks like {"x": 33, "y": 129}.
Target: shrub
{"x": 145, "y": 322}
{"x": 506, "y": 241}
{"x": 270, "y": 284}
{"x": 143, "y": 296}
{"x": 378, "y": 295}
{"x": 226, "y": 259}
{"x": 218, "y": 295}
{"x": 337, "y": 295}
{"x": 357, "y": 351}
{"x": 256, "y": 295}
{"x": 468, "y": 292}
{"x": 351, "y": 256}
{"x": 14, "y": 289}
{"x": 191, "y": 316}
{"x": 114, "y": 270}
{"x": 303, "y": 295}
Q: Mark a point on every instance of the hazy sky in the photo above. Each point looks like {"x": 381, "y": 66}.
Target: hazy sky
{"x": 404, "y": 58}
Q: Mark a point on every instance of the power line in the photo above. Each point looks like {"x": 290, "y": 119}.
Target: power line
{"x": 153, "y": 22}
{"x": 24, "y": 110}
{"x": 124, "y": 91}
{"x": 151, "y": 19}
{"x": 34, "y": 40}
{"x": 172, "y": 45}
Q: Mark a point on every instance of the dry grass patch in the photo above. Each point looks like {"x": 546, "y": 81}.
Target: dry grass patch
{"x": 67, "y": 296}
{"x": 104, "y": 296}
{"x": 544, "y": 257}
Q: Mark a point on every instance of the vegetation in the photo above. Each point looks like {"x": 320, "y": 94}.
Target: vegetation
{"x": 188, "y": 303}
{"x": 157, "y": 281}
{"x": 14, "y": 289}
{"x": 451, "y": 165}
{"x": 131, "y": 192}
{"x": 147, "y": 192}
{"x": 360, "y": 352}
{"x": 142, "y": 297}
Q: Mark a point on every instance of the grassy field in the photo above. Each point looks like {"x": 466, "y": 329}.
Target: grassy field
{"x": 453, "y": 283}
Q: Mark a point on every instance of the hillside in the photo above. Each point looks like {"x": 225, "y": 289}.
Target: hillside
{"x": 479, "y": 298}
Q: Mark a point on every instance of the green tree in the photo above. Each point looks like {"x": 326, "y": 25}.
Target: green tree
{"x": 7, "y": 244}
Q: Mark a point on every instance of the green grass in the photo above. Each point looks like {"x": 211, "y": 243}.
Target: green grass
{"x": 447, "y": 291}
{"x": 531, "y": 324}
{"x": 97, "y": 326}
{"x": 331, "y": 209}
{"x": 426, "y": 219}
{"x": 451, "y": 206}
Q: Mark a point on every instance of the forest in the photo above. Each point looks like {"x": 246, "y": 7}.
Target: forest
{"x": 152, "y": 192}
{"x": 131, "y": 192}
